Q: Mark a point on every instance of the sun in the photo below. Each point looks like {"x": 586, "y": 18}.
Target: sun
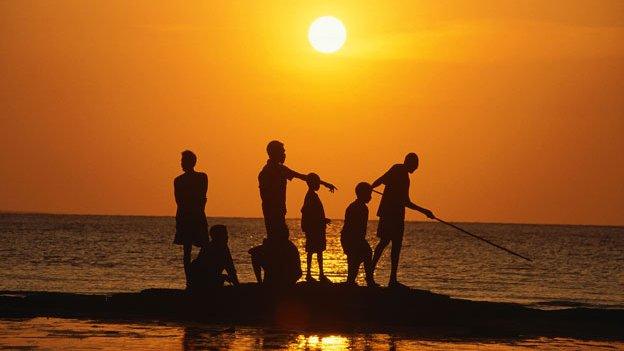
{"x": 327, "y": 34}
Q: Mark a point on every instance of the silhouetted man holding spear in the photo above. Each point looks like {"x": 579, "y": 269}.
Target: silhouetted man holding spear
{"x": 391, "y": 212}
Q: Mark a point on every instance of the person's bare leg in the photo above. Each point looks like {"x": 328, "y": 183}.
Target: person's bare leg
{"x": 309, "y": 267}
{"x": 322, "y": 277}
{"x": 187, "y": 261}
{"x": 379, "y": 249}
{"x": 257, "y": 269}
{"x": 368, "y": 269}
{"x": 394, "y": 259}
{"x": 309, "y": 263}
{"x": 352, "y": 269}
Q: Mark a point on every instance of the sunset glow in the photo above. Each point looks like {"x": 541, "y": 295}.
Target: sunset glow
{"x": 516, "y": 104}
{"x": 327, "y": 34}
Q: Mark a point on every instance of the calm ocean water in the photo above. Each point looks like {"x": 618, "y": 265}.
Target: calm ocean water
{"x": 573, "y": 265}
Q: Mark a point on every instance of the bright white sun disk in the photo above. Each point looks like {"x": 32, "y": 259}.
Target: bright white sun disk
{"x": 327, "y": 34}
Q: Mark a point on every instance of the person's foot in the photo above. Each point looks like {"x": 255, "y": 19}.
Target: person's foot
{"x": 371, "y": 283}
{"x": 396, "y": 285}
{"x": 323, "y": 279}
{"x": 353, "y": 283}
{"x": 310, "y": 279}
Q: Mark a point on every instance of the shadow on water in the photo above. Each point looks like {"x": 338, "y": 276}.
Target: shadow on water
{"x": 62, "y": 334}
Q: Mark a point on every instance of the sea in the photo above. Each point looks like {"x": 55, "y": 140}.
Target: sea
{"x": 572, "y": 266}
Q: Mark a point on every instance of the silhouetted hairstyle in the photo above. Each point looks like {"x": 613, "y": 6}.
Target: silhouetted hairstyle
{"x": 190, "y": 157}
{"x": 313, "y": 180}
{"x": 363, "y": 189}
{"x": 411, "y": 157}
{"x": 274, "y": 147}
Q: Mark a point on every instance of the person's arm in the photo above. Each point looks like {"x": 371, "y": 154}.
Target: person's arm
{"x": 422, "y": 210}
{"x": 230, "y": 269}
{"x": 346, "y": 223}
{"x": 204, "y": 188}
{"x": 304, "y": 177}
{"x": 329, "y": 186}
{"x": 381, "y": 180}
{"x": 176, "y": 193}
{"x": 204, "y": 185}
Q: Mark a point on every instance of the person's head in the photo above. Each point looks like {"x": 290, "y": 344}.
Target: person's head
{"x": 276, "y": 151}
{"x": 188, "y": 160}
{"x": 363, "y": 191}
{"x": 219, "y": 234}
{"x": 314, "y": 181}
{"x": 411, "y": 162}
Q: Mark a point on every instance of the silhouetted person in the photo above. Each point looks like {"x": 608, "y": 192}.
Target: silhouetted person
{"x": 391, "y": 212}
{"x": 280, "y": 261}
{"x": 190, "y": 195}
{"x": 272, "y": 183}
{"x": 353, "y": 236}
{"x": 313, "y": 224}
{"x": 214, "y": 257}
{"x": 277, "y": 254}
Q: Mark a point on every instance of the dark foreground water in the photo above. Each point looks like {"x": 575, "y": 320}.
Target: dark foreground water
{"x": 70, "y": 334}
{"x": 573, "y": 266}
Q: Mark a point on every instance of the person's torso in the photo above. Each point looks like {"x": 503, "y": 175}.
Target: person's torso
{"x": 272, "y": 183}
{"x": 355, "y": 223}
{"x": 312, "y": 213}
{"x": 396, "y": 192}
{"x": 190, "y": 190}
{"x": 213, "y": 258}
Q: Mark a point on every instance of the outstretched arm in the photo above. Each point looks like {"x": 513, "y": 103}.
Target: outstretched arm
{"x": 329, "y": 186}
{"x": 378, "y": 182}
{"x": 382, "y": 179}
{"x": 422, "y": 210}
{"x": 304, "y": 177}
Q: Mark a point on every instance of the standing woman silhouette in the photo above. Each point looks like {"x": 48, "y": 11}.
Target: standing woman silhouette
{"x": 190, "y": 195}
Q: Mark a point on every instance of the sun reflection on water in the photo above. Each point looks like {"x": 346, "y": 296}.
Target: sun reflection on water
{"x": 314, "y": 342}
{"x": 63, "y": 334}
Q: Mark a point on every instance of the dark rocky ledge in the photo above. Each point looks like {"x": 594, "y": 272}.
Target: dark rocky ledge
{"x": 325, "y": 308}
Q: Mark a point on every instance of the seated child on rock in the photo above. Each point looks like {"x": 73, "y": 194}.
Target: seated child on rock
{"x": 214, "y": 257}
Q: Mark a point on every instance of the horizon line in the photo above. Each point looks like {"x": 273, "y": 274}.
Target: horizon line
{"x": 292, "y": 218}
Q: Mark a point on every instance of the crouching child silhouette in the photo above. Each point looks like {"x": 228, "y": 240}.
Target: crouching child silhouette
{"x": 280, "y": 261}
{"x": 314, "y": 225}
{"x": 214, "y": 257}
{"x": 353, "y": 236}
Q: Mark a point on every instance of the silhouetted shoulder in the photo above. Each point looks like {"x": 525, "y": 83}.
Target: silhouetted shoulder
{"x": 178, "y": 179}
{"x": 392, "y": 173}
{"x": 358, "y": 208}
{"x": 191, "y": 176}
{"x": 202, "y": 176}
{"x": 311, "y": 201}
{"x": 273, "y": 170}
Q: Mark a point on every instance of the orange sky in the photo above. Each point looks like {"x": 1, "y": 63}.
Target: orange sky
{"x": 515, "y": 107}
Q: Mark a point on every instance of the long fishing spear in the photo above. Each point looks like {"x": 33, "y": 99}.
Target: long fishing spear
{"x": 473, "y": 235}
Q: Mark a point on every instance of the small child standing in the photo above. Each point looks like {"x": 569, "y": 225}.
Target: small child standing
{"x": 214, "y": 257}
{"x": 353, "y": 236}
{"x": 313, "y": 224}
